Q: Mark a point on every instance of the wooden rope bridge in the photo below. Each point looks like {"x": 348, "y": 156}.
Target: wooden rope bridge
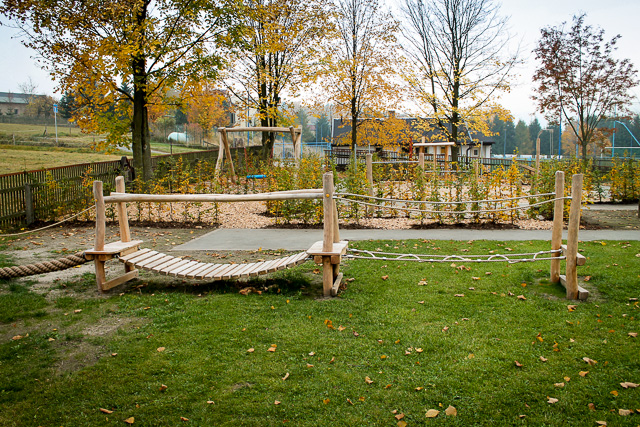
{"x": 327, "y": 252}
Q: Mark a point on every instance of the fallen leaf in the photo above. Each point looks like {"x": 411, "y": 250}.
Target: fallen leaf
{"x": 17, "y": 337}
{"x": 309, "y": 365}
{"x": 614, "y": 392}
{"x": 445, "y": 329}
{"x": 285, "y": 376}
{"x": 419, "y": 388}
{"x": 432, "y": 413}
{"x": 624, "y": 412}
{"x": 399, "y": 417}
{"x": 313, "y": 353}
{"x": 163, "y": 387}
{"x": 402, "y": 424}
{"x": 572, "y": 307}
{"x": 518, "y": 364}
{"x": 551, "y": 400}
{"x": 251, "y": 350}
{"x": 583, "y": 373}
{"x": 385, "y": 277}
{"x": 559, "y": 385}
{"x": 633, "y": 334}
{"x": 383, "y": 357}
{"x": 592, "y": 407}
{"x": 277, "y": 402}
{"x": 629, "y": 385}
{"x": 587, "y": 278}
{"x": 458, "y": 295}
{"x": 210, "y": 402}
{"x": 368, "y": 380}
{"x": 272, "y": 348}
{"x": 184, "y": 419}
{"x": 161, "y": 349}
{"x": 419, "y": 350}
{"x": 601, "y": 423}
{"x": 451, "y": 411}
{"x": 522, "y": 297}
{"x": 130, "y": 420}
{"x": 78, "y": 310}
{"x": 326, "y": 401}
{"x": 106, "y": 411}
{"x": 589, "y": 361}
{"x": 544, "y": 359}
{"x": 349, "y": 401}
{"x": 341, "y": 328}
{"x": 333, "y": 359}
{"x": 567, "y": 379}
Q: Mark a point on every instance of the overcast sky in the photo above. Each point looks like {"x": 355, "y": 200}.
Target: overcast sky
{"x": 526, "y": 17}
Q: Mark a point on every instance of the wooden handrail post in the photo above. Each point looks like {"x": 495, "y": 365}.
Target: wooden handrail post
{"x": 328, "y": 204}
{"x": 369, "y": 163}
{"x": 556, "y": 231}
{"x": 421, "y": 159}
{"x": 572, "y": 236}
{"x": 100, "y": 215}
{"x": 220, "y": 160}
{"x": 123, "y": 218}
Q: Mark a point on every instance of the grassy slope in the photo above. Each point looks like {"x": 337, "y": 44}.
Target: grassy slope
{"x": 206, "y": 334}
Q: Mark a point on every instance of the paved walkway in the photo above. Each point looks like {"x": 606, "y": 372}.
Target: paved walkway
{"x": 235, "y": 239}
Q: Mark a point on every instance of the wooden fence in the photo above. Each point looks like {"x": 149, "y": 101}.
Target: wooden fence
{"x": 41, "y": 195}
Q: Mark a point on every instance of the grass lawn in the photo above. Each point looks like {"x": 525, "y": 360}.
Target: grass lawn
{"x": 27, "y": 158}
{"x": 496, "y": 342}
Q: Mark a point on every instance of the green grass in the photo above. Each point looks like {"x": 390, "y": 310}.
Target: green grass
{"x": 469, "y": 347}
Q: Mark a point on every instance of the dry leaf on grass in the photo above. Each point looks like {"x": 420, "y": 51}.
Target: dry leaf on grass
{"x": 277, "y": 402}
{"x": 160, "y": 349}
{"x": 592, "y": 407}
{"x": 285, "y": 376}
{"x": 589, "y": 361}
{"x": 559, "y": 385}
{"x": 518, "y": 364}
{"x": 130, "y": 420}
{"x": 571, "y": 307}
{"x": 583, "y": 373}
{"x": 326, "y": 401}
{"x": 184, "y": 419}
{"x": 458, "y": 295}
{"x": 522, "y": 297}
{"x": 624, "y": 412}
{"x": 629, "y": 385}
{"x": 163, "y": 387}
{"x": 451, "y": 411}
{"x": 251, "y": 350}
{"x": 368, "y": 380}
{"x": 399, "y": 417}
{"x": 432, "y": 413}
{"x": 614, "y": 392}
{"x": 385, "y": 277}
{"x": 402, "y": 424}
{"x": 544, "y": 359}
{"x": 633, "y": 334}
{"x": 601, "y": 423}
{"x": 551, "y": 400}
{"x": 106, "y": 411}
{"x": 272, "y": 348}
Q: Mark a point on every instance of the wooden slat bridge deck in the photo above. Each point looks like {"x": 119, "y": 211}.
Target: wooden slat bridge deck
{"x": 166, "y": 264}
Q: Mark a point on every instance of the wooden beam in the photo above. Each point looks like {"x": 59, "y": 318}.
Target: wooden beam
{"x": 123, "y": 218}
{"x": 163, "y": 198}
{"x": 582, "y": 295}
{"x": 572, "y": 237}
{"x": 259, "y": 129}
{"x": 120, "y": 280}
{"x": 100, "y": 215}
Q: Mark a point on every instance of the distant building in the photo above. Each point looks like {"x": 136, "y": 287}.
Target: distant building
{"x": 15, "y": 104}
{"x": 472, "y": 144}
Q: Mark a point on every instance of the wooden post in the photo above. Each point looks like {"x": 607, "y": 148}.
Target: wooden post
{"x": 28, "y": 204}
{"x": 446, "y": 157}
{"x": 123, "y": 218}
{"x": 369, "y": 164}
{"x": 328, "y": 203}
{"x": 572, "y": 236}
{"x": 220, "y": 160}
{"x": 475, "y": 170}
{"x": 227, "y": 151}
{"x": 556, "y": 231}
{"x": 421, "y": 159}
{"x": 100, "y": 215}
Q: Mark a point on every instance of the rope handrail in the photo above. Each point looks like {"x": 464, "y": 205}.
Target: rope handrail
{"x": 364, "y": 196}
{"x": 50, "y": 225}
{"x": 393, "y": 162}
{"x": 406, "y": 209}
{"x": 392, "y": 256}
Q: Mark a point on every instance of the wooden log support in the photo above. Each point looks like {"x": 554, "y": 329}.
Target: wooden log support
{"x": 220, "y": 160}
{"x": 227, "y": 152}
{"x": 572, "y": 237}
{"x": 123, "y": 218}
{"x": 556, "y": 231}
{"x": 327, "y": 200}
{"x": 421, "y": 159}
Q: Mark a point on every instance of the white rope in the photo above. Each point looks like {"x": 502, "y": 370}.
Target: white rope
{"x": 446, "y": 211}
{"x": 508, "y": 199}
{"x": 392, "y": 162}
{"x": 373, "y": 255}
{"x": 49, "y": 226}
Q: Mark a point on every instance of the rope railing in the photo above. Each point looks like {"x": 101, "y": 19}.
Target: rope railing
{"x": 50, "y": 225}
{"x": 511, "y": 258}
{"x": 508, "y": 199}
{"x": 431, "y": 211}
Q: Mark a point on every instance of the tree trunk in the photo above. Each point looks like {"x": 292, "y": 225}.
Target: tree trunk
{"x": 141, "y": 137}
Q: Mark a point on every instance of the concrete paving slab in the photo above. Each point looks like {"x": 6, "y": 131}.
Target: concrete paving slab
{"x": 237, "y": 239}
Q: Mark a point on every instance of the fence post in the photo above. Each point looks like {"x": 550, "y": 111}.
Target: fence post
{"x": 572, "y": 236}
{"x": 556, "y": 231}
{"x": 28, "y": 204}
{"x": 421, "y": 159}
{"x": 328, "y": 235}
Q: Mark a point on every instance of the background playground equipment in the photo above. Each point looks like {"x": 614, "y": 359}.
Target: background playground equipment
{"x": 296, "y": 136}
{"x": 558, "y": 252}
{"x": 327, "y": 252}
